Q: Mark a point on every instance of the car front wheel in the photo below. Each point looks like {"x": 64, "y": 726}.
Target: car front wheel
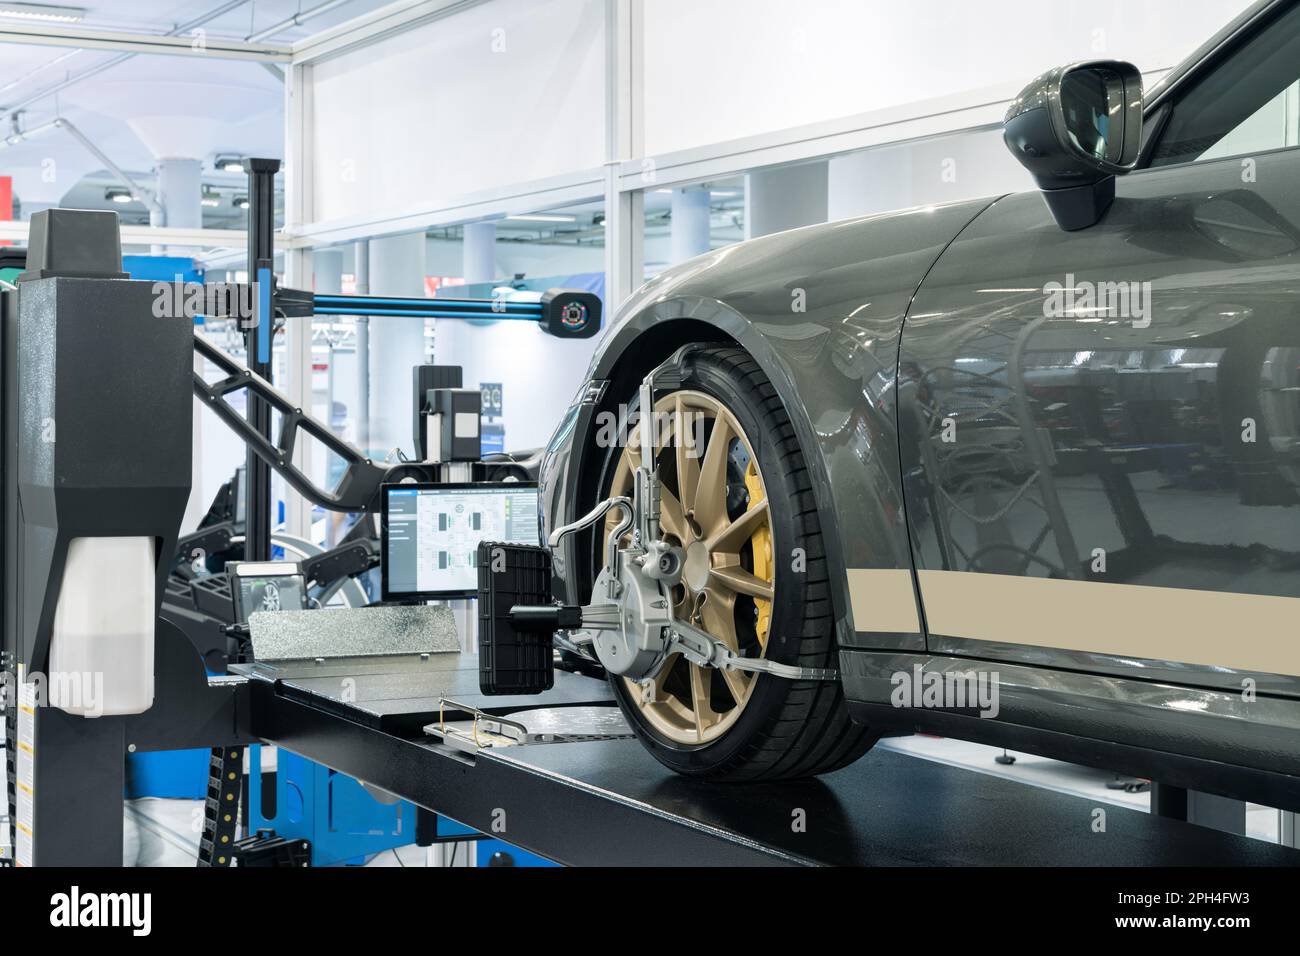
{"x": 738, "y": 501}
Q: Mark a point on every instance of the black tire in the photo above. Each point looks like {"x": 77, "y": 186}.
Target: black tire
{"x": 788, "y": 728}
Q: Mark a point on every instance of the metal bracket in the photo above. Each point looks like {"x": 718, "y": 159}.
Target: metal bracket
{"x": 702, "y": 648}
{"x": 357, "y": 490}
{"x": 487, "y": 731}
{"x": 590, "y": 518}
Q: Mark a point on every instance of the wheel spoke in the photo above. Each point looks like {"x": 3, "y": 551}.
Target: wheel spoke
{"x": 730, "y": 539}
{"x": 735, "y": 578}
{"x": 718, "y": 617}
{"x": 671, "y": 516}
{"x": 704, "y": 714}
{"x": 711, "y": 495}
{"x": 688, "y": 462}
{"x": 680, "y": 708}
{"x": 656, "y": 684}
{"x": 737, "y": 685}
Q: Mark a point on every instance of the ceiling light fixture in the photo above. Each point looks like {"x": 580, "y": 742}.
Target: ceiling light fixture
{"x": 42, "y": 11}
{"x": 542, "y": 217}
{"x": 240, "y": 202}
{"x": 229, "y": 164}
{"x": 210, "y": 198}
{"x": 121, "y": 196}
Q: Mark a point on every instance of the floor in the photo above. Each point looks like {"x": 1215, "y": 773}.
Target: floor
{"x": 162, "y": 832}
{"x": 1262, "y": 823}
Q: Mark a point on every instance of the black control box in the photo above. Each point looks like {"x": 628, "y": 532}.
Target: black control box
{"x": 511, "y": 660}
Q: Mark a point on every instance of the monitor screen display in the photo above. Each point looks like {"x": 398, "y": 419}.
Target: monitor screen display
{"x": 431, "y": 534}
{"x": 267, "y": 586}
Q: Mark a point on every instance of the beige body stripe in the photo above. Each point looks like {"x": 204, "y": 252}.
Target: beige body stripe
{"x": 1251, "y": 632}
{"x": 882, "y": 599}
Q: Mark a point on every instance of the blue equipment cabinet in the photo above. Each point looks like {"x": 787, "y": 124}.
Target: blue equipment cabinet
{"x": 344, "y": 823}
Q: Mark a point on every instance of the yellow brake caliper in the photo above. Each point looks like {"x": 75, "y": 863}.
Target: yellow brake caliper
{"x": 763, "y": 563}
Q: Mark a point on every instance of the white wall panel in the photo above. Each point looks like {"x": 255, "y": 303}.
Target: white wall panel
{"x": 508, "y": 92}
{"x": 967, "y": 165}
{"x": 540, "y": 373}
{"x": 717, "y": 70}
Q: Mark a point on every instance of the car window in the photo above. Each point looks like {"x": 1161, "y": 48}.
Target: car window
{"x": 1249, "y": 103}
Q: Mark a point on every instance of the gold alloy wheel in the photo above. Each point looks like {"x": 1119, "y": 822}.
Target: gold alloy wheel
{"x": 714, "y": 505}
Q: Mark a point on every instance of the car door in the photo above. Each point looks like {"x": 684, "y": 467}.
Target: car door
{"x": 1100, "y": 430}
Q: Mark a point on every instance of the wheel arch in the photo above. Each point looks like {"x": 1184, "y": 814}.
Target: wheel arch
{"x": 647, "y": 339}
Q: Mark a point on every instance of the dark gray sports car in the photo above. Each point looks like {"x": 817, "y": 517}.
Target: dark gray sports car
{"x": 1023, "y": 470}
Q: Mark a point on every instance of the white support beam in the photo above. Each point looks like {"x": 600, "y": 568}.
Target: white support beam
{"x": 510, "y": 200}
{"x": 624, "y": 137}
{"x": 299, "y": 194}
{"x": 371, "y": 27}
{"x": 981, "y": 109}
{"x": 156, "y": 235}
{"x": 199, "y": 44}
{"x": 624, "y": 244}
{"x": 298, "y": 333}
{"x": 299, "y": 169}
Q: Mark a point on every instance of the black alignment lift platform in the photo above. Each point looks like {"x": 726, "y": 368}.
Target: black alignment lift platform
{"x": 608, "y": 802}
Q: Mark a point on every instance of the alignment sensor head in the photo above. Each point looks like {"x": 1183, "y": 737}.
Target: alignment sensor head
{"x": 571, "y": 315}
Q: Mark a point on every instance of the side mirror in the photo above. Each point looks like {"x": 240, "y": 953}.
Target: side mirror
{"x": 1076, "y": 128}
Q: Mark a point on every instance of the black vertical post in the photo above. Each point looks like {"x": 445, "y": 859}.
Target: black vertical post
{"x": 1168, "y": 801}
{"x": 78, "y": 779}
{"x": 261, "y": 263}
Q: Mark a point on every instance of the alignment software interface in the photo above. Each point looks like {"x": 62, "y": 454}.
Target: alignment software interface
{"x": 434, "y": 532}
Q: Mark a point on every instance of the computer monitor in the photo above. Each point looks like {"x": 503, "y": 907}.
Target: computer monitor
{"x": 266, "y": 586}
{"x": 431, "y": 533}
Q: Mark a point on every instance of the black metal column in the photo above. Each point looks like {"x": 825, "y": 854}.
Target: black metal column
{"x": 80, "y": 773}
{"x": 1168, "y": 801}
{"x": 261, "y": 264}
{"x": 1203, "y": 809}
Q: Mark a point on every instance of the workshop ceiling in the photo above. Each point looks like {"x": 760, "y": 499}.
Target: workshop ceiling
{"x": 149, "y": 107}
